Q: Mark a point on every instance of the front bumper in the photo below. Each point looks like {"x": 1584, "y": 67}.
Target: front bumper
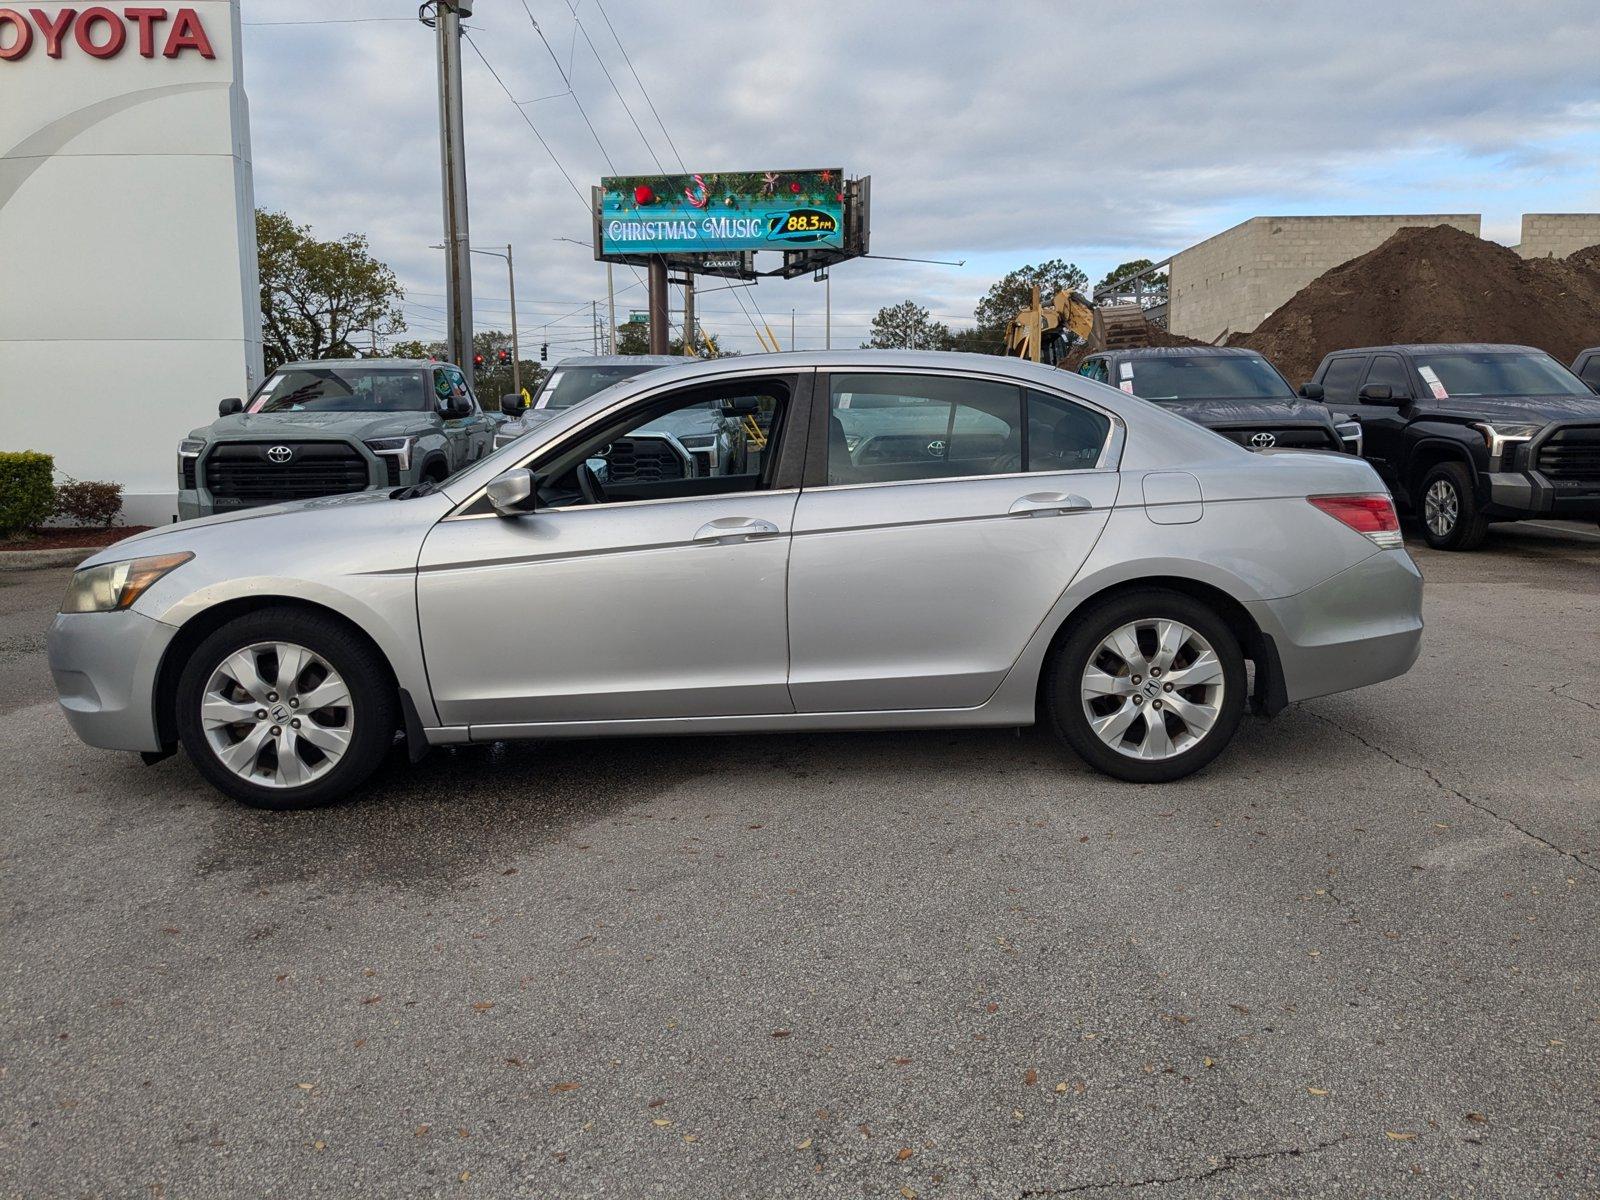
{"x": 1364, "y": 625}
{"x": 105, "y": 667}
{"x": 1514, "y": 494}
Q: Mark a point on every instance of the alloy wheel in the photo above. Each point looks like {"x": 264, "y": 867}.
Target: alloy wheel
{"x": 1152, "y": 689}
{"x": 1441, "y": 508}
{"x": 277, "y": 714}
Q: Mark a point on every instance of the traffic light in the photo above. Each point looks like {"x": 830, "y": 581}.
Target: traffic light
{"x": 544, "y": 352}
{"x": 502, "y": 358}
{"x": 477, "y": 361}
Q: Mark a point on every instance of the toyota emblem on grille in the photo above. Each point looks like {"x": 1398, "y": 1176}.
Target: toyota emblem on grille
{"x": 1262, "y": 440}
{"x": 279, "y": 454}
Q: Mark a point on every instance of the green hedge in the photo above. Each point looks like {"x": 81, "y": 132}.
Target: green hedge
{"x": 27, "y": 489}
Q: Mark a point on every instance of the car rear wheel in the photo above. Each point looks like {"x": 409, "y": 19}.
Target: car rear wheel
{"x": 1149, "y": 687}
{"x": 285, "y": 709}
{"x": 1452, "y": 519}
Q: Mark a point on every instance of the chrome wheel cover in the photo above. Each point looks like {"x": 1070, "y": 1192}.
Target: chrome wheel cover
{"x": 1441, "y": 507}
{"x": 1152, "y": 689}
{"x": 277, "y": 715}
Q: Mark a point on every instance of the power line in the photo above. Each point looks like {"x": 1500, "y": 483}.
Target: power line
{"x": 640, "y": 82}
{"x": 575, "y": 190}
{"x": 606, "y": 71}
{"x": 566, "y": 79}
{"x": 332, "y": 21}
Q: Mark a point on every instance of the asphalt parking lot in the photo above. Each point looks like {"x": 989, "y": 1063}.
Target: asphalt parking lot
{"x": 1357, "y": 956}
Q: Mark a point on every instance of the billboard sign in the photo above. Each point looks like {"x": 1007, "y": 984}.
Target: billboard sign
{"x": 722, "y": 213}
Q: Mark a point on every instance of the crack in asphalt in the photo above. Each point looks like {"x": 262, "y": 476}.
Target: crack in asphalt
{"x": 1555, "y": 690}
{"x": 1227, "y": 1161}
{"x": 1457, "y": 792}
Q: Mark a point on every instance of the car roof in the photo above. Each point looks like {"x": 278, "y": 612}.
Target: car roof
{"x": 364, "y": 362}
{"x": 1441, "y": 348}
{"x": 1180, "y": 352}
{"x": 620, "y": 360}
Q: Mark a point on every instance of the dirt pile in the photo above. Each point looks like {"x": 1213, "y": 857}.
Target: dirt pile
{"x": 1436, "y": 284}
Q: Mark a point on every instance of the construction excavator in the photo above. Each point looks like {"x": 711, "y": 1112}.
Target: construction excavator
{"x": 1048, "y": 333}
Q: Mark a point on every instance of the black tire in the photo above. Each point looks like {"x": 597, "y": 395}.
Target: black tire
{"x": 1455, "y": 482}
{"x": 374, "y": 707}
{"x": 1064, "y": 703}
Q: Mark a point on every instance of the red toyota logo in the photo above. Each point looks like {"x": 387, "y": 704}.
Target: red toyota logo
{"x": 102, "y": 32}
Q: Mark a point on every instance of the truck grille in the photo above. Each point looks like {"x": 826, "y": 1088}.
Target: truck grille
{"x": 1572, "y": 455}
{"x": 1305, "y": 438}
{"x": 643, "y": 461}
{"x": 242, "y": 475}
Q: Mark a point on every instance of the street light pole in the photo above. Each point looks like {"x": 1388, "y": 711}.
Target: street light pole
{"x": 447, "y": 16}
{"x": 516, "y": 350}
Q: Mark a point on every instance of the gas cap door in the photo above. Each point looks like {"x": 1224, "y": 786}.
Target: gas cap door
{"x": 1172, "y": 498}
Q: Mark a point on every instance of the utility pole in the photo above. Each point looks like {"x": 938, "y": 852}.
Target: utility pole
{"x": 691, "y": 348}
{"x": 447, "y": 16}
{"x": 658, "y": 305}
{"x": 827, "y": 300}
{"x": 611, "y": 312}
{"x": 791, "y": 330}
{"x": 594, "y": 327}
{"x": 516, "y": 351}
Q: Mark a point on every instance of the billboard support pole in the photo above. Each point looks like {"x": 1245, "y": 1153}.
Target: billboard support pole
{"x": 658, "y": 305}
{"x": 691, "y": 348}
{"x": 611, "y": 312}
{"x": 453, "y": 161}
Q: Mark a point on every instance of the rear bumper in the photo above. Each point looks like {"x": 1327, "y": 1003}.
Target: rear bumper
{"x": 105, "y": 666}
{"x": 1364, "y": 625}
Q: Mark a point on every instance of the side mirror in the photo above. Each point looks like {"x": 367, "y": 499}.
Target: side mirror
{"x": 741, "y": 406}
{"x": 511, "y": 404}
{"x": 230, "y": 406}
{"x": 1311, "y": 391}
{"x": 1378, "y": 393}
{"x": 512, "y": 493}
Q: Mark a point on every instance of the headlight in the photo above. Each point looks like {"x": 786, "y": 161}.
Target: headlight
{"x": 397, "y": 448}
{"x": 1350, "y": 434}
{"x": 1501, "y": 437}
{"x": 503, "y": 437}
{"x": 191, "y": 447}
{"x": 115, "y": 586}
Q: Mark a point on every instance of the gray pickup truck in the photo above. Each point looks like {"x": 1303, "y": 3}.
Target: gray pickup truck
{"x": 338, "y": 425}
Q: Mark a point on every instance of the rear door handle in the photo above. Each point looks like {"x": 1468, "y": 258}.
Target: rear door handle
{"x": 1048, "y": 504}
{"x": 734, "y": 529}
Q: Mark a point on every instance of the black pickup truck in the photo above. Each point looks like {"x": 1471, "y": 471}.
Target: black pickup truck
{"x": 1229, "y": 389}
{"x": 1469, "y": 433}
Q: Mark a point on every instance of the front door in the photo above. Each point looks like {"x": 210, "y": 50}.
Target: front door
{"x": 1382, "y": 424}
{"x": 647, "y": 584}
{"x": 467, "y": 430}
{"x": 952, "y": 514}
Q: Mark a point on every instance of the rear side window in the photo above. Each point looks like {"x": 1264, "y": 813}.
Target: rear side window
{"x": 891, "y": 428}
{"x": 1063, "y": 436}
{"x": 1342, "y": 378}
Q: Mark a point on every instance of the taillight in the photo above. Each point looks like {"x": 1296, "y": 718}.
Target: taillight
{"x": 1371, "y": 515}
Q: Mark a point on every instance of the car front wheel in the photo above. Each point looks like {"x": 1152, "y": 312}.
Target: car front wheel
{"x": 284, "y": 709}
{"x": 1451, "y": 516}
{"x": 1149, "y": 687}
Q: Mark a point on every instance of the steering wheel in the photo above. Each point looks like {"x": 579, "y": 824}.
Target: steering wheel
{"x": 589, "y": 485}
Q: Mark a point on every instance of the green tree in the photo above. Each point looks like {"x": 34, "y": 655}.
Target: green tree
{"x": 977, "y": 340}
{"x": 633, "y": 338}
{"x": 1015, "y": 292}
{"x": 907, "y": 326}
{"x": 321, "y": 299}
{"x": 1156, "y": 285}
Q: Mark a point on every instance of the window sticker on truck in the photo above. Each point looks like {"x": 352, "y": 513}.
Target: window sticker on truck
{"x": 1431, "y": 378}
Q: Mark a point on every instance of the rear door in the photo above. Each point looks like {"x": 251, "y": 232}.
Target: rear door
{"x": 926, "y": 551}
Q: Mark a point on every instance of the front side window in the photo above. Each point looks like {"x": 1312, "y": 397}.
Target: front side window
{"x": 1496, "y": 373}
{"x": 452, "y": 390}
{"x": 343, "y": 389}
{"x": 704, "y": 441}
{"x": 1340, "y": 380}
{"x": 1207, "y": 377}
{"x": 1388, "y": 371}
{"x": 892, "y": 428}
{"x": 1591, "y": 371}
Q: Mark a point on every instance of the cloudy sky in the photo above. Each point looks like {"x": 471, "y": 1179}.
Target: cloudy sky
{"x": 996, "y": 133}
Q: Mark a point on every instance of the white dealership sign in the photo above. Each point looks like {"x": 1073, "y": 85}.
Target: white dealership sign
{"x": 128, "y": 292}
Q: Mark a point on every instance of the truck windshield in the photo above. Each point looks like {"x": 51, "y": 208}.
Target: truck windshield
{"x": 344, "y": 389}
{"x": 1463, "y": 373}
{"x": 1205, "y": 377}
{"x": 573, "y": 385}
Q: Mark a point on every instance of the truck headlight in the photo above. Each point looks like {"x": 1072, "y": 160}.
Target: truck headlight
{"x": 191, "y": 447}
{"x": 397, "y": 448}
{"x": 1350, "y": 434}
{"x": 1500, "y": 438}
{"x": 114, "y": 586}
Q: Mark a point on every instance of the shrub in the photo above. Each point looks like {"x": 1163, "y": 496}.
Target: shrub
{"x": 88, "y": 501}
{"x": 27, "y": 496}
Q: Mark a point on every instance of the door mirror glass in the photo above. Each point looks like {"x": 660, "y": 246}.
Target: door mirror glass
{"x": 230, "y": 406}
{"x": 1377, "y": 393}
{"x": 1311, "y": 391}
{"x": 511, "y": 493}
{"x": 511, "y": 404}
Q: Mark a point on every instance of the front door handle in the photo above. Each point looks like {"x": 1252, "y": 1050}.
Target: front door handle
{"x": 1048, "y": 504}
{"x": 734, "y": 529}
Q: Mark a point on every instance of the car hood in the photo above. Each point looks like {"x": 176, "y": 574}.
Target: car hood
{"x": 1531, "y": 410}
{"x": 359, "y": 425}
{"x": 1243, "y": 411}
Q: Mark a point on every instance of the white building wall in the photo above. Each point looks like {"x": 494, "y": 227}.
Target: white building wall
{"x": 128, "y": 288}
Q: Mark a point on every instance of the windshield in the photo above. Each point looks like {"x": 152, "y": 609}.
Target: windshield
{"x": 344, "y": 389}
{"x": 573, "y": 385}
{"x": 1206, "y": 377}
{"x": 1497, "y": 374}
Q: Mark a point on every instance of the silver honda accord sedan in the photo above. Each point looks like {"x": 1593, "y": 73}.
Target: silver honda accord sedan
{"x": 884, "y": 540}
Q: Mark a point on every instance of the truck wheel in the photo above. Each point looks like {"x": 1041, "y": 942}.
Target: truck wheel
{"x": 284, "y": 709}
{"x": 1452, "y": 518}
{"x": 1149, "y": 687}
